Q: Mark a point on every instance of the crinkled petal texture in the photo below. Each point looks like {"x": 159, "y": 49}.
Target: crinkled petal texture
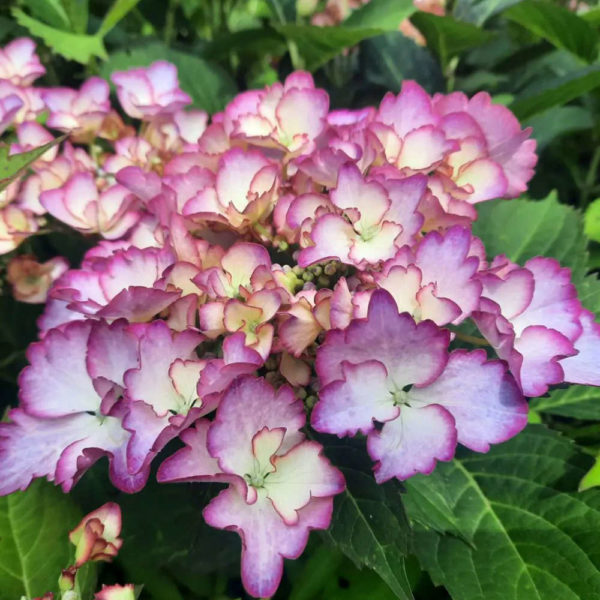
{"x": 65, "y": 425}
{"x": 422, "y": 413}
{"x": 281, "y": 485}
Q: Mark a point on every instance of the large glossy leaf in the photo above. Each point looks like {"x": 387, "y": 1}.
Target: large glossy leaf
{"x": 478, "y": 11}
{"x": 522, "y": 229}
{"x": 383, "y": 14}
{"x": 558, "y": 121}
{"x": 557, "y": 91}
{"x": 448, "y": 37}
{"x": 387, "y": 60}
{"x": 368, "y": 523}
{"x": 12, "y": 165}
{"x": 577, "y": 401}
{"x": 559, "y": 26}
{"x": 534, "y": 537}
{"x": 207, "y": 83}
{"x": 318, "y": 45}
{"x": 78, "y": 47}
{"x": 34, "y": 545}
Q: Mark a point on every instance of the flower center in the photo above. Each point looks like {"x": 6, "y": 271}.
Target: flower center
{"x": 256, "y": 480}
{"x": 400, "y": 396}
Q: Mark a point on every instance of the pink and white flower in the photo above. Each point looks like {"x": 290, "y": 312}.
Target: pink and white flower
{"x": 288, "y": 117}
{"x": 147, "y": 92}
{"x": 81, "y": 112}
{"x": 79, "y": 204}
{"x": 280, "y": 485}
{"x": 532, "y": 318}
{"x": 388, "y": 369}
{"x": 64, "y": 425}
{"x": 19, "y": 63}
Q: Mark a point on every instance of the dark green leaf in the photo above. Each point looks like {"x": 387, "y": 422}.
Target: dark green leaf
{"x": 558, "y": 121}
{"x": 426, "y": 504}
{"x": 34, "y": 544}
{"x": 522, "y": 229}
{"x": 383, "y": 14}
{"x": 80, "y": 48}
{"x": 534, "y": 539}
{"x": 559, "y": 26}
{"x": 11, "y": 166}
{"x": 208, "y": 84}
{"x": 448, "y": 37}
{"x": 478, "y": 11}
{"x": 577, "y": 401}
{"x": 318, "y": 45}
{"x": 368, "y": 523}
{"x": 387, "y": 60}
{"x": 116, "y": 12}
{"x": 557, "y": 91}
{"x": 248, "y": 41}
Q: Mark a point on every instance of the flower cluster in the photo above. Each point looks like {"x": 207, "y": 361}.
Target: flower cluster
{"x": 278, "y": 261}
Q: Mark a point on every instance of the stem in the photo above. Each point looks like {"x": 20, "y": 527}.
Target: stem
{"x": 471, "y": 339}
{"x": 169, "y": 33}
{"x": 297, "y": 61}
{"x": 590, "y": 178}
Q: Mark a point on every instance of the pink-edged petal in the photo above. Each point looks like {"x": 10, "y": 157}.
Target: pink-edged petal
{"x": 159, "y": 349}
{"x": 584, "y": 368}
{"x": 57, "y": 382}
{"x": 332, "y": 236}
{"x": 411, "y": 353}
{"x": 352, "y": 404}
{"x": 116, "y": 592}
{"x": 112, "y": 350}
{"x": 301, "y": 474}
{"x": 192, "y": 463}
{"x": 413, "y": 442}
{"x": 266, "y": 539}
{"x": 423, "y": 148}
{"x": 485, "y": 401}
{"x": 484, "y": 179}
{"x": 541, "y": 349}
{"x": 249, "y": 405}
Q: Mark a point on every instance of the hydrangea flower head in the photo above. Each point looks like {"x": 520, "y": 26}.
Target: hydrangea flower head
{"x": 147, "y": 92}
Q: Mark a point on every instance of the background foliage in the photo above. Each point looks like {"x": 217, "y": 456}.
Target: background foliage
{"x": 509, "y": 525}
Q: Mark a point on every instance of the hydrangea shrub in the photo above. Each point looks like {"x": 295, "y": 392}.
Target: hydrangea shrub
{"x": 261, "y": 280}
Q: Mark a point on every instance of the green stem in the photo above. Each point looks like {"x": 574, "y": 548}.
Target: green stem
{"x": 169, "y": 33}
{"x": 590, "y": 178}
{"x": 471, "y": 339}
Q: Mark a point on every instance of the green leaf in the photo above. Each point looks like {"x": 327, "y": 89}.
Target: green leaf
{"x": 522, "y": 229}
{"x": 559, "y": 26}
{"x": 34, "y": 544}
{"x": 558, "y": 121}
{"x": 592, "y": 478}
{"x": 318, "y": 45}
{"x": 577, "y": 401}
{"x": 426, "y": 504}
{"x": 534, "y": 538}
{"x": 387, "y": 60}
{"x": 479, "y": 11}
{"x": 51, "y": 12}
{"x": 11, "y": 166}
{"x": 557, "y": 91}
{"x": 78, "y": 11}
{"x": 448, "y": 37}
{"x": 383, "y": 14}
{"x": 209, "y": 86}
{"x": 116, "y": 12}
{"x": 368, "y": 523}
{"x": 591, "y": 221}
{"x": 72, "y": 46}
